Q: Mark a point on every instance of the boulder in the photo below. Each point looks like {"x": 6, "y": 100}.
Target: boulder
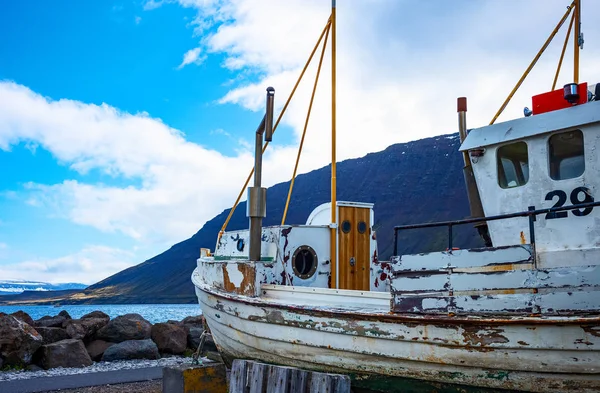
{"x": 96, "y": 314}
{"x": 193, "y": 337}
{"x": 23, "y": 316}
{"x": 209, "y": 345}
{"x": 132, "y": 349}
{"x": 18, "y": 341}
{"x": 52, "y": 334}
{"x": 169, "y": 338}
{"x": 197, "y": 320}
{"x": 64, "y": 314}
{"x": 84, "y": 329}
{"x": 97, "y": 348}
{"x": 49, "y": 321}
{"x": 65, "y": 353}
{"x": 125, "y": 327}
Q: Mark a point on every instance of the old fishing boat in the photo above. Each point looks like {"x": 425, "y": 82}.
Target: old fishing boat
{"x": 522, "y": 313}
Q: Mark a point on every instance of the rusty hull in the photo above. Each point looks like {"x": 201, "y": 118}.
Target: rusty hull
{"x": 539, "y": 354}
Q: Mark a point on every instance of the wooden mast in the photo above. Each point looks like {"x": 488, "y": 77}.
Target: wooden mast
{"x": 333, "y": 226}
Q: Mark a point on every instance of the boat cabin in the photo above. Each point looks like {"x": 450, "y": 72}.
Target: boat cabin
{"x": 543, "y": 262}
{"x": 542, "y": 161}
{"x": 299, "y": 255}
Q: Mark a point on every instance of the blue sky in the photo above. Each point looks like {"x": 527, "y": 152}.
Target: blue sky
{"x": 125, "y": 125}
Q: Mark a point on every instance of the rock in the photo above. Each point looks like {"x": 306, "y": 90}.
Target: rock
{"x": 84, "y": 329}
{"x": 169, "y": 338}
{"x": 49, "y": 321}
{"x": 23, "y": 316}
{"x": 194, "y": 321}
{"x": 65, "y": 353}
{"x": 132, "y": 349}
{"x": 96, "y": 314}
{"x": 193, "y": 337}
{"x": 64, "y": 314}
{"x": 52, "y": 334}
{"x": 33, "y": 367}
{"x": 75, "y": 329}
{"x": 125, "y": 327}
{"x": 18, "y": 341}
{"x": 97, "y": 348}
{"x": 209, "y": 345}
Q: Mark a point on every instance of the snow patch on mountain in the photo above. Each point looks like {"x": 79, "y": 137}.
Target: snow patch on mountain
{"x": 13, "y": 287}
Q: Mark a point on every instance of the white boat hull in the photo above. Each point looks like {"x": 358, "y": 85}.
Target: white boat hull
{"x": 527, "y": 354}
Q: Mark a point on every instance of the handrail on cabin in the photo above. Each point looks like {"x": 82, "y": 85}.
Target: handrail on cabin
{"x": 531, "y": 213}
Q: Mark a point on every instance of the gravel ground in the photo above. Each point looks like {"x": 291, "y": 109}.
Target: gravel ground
{"x": 99, "y": 366}
{"x": 136, "y": 387}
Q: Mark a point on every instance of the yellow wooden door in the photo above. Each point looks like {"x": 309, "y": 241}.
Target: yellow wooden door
{"x": 354, "y": 259}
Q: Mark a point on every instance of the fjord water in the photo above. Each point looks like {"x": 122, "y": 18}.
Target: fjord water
{"x": 154, "y": 313}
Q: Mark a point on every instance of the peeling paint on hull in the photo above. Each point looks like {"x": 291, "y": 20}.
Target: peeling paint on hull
{"x": 515, "y": 356}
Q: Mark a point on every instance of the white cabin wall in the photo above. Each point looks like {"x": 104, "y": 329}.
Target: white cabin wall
{"x": 572, "y": 232}
{"x": 317, "y": 237}
{"x": 227, "y": 245}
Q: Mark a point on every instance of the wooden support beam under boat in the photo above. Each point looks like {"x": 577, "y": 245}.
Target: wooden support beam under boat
{"x": 261, "y": 377}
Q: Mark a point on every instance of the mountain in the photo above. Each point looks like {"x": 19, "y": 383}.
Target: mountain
{"x": 409, "y": 183}
{"x": 12, "y": 287}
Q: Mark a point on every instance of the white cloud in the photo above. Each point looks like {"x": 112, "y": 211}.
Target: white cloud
{"x": 182, "y": 184}
{"x": 138, "y": 19}
{"x": 152, "y": 4}
{"x": 193, "y": 56}
{"x": 400, "y": 65}
{"x": 89, "y": 265}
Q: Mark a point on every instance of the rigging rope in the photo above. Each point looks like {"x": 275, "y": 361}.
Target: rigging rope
{"x": 237, "y": 201}
{"x": 562, "y": 54}
{"x": 312, "y": 98}
{"x": 535, "y": 59}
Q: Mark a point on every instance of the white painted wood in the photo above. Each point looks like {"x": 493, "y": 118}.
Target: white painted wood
{"x": 572, "y": 232}
{"x": 438, "y": 261}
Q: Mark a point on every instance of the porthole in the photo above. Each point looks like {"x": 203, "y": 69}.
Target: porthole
{"x": 346, "y": 226}
{"x": 362, "y": 227}
{"x": 304, "y": 262}
{"x": 240, "y": 245}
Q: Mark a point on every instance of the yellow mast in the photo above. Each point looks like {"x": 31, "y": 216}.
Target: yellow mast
{"x": 333, "y": 237}
{"x": 576, "y": 41}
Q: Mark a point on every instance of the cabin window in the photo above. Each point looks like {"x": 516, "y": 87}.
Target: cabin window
{"x": 566, "y": 155}
{"x": 346, "y": 226}
{"x": 513, "y": 165}
{"x": 304, "y": 262}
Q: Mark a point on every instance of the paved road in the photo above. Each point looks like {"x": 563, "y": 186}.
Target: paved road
{"x": 42, "y": 384}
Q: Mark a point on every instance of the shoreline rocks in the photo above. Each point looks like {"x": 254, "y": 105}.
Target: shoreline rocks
{"x": 65, "y": 353}
{"x": 61, "y": 341}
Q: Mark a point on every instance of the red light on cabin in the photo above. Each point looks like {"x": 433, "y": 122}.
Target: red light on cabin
{"x": 554, "y": 100}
